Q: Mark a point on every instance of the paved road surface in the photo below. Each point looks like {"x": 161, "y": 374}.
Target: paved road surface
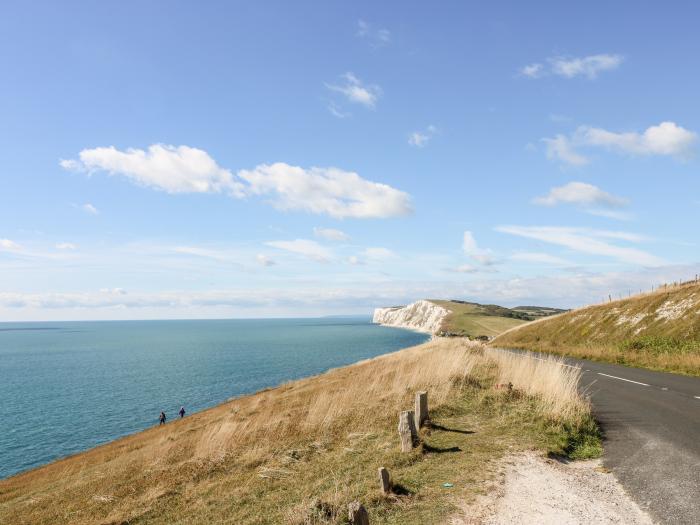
{"x": 651, "y": 422}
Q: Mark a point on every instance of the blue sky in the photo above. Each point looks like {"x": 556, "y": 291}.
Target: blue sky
{"x": 180, "y": 159}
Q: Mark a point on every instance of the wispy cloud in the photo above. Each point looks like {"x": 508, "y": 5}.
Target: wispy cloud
{"x": 331, "y": 234}
{"x": 664, "y": 139}
{"x": 582, "y": 194}
{"x": 264, "y": 260}
{"x": 540, "y": 258}
{"x": 305, "y": 247}
{"x": 376, "y": 37}
{"x": 182, "y": 169}
{"x": 560, "y": 148}
{"x": 89, "y": 208}
{"x": 570, "y": 67}
{"x": 588, "y": 197}
{"x": 420, "y": 139}
{"x": 65, "y": 246}
{"x": 588, "y": 241}
{"x": 356, "y": 91}
{"x": 9, "y": 246}
{"x": 337, "y": 111}
{"x": 473, "y": 251}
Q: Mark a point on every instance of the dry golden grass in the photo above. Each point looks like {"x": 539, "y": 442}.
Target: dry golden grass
{"x": 299, "y": 452}
{"x": 658, "y": 330}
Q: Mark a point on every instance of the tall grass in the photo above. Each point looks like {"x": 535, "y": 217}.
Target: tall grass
{"x": 548, "y": 380}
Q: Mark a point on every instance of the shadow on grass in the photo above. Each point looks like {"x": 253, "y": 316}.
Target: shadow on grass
{"x": 400, "y": 490}
{"x": 429, "y": 449}
{"x": 437, "y": 426}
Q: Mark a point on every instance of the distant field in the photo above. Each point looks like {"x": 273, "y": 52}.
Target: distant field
{"x": 659, "y": 330}
{"x": 478, "y": 320}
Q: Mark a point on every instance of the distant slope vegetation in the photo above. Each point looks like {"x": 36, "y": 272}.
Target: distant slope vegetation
{"x": 476, "y": 320}
{"x": 659, "y": 330}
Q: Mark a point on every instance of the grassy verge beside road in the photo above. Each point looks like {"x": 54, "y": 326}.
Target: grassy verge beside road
{"x": 300, "y": 452}
{"x": 659, "y": 331}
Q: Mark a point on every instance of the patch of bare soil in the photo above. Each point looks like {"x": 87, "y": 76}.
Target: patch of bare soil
{"x": 542, "y": 491}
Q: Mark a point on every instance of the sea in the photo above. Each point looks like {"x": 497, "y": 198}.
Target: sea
{"x": 68, "y": 386}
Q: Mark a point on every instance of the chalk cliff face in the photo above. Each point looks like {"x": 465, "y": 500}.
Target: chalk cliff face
{"x": 421, "y": 315}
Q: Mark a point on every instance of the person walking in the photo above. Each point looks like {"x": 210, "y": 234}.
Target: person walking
{"x": 161, "y": 418}
{"x": 182, "y": 412}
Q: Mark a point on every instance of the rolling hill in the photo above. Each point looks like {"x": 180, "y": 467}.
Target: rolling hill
{"x": 658, "y": 330}
{"x": 474, "y": 320}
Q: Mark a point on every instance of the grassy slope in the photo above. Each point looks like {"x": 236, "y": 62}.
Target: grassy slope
{"x": 660, "y": 331}
{"x": 298, "y": 453}
{"x": 474, "y": 320}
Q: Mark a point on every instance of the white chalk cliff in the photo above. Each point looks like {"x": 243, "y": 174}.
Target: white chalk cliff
{"x": 422, "y": 315}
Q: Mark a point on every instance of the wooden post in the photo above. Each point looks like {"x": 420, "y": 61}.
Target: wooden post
{"x": 407, "y": 430}
{"x": 357, "y": 514}
{"x": 421, "y": 408}
{"x": 384, "y": 481}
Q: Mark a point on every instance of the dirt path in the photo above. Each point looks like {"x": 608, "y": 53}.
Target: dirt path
{"x": 537, "y": 490}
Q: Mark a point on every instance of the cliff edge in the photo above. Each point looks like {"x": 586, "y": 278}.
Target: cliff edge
{"x": 422, "y": 315}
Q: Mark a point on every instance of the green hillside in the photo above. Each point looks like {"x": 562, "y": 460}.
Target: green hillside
{"x": 659, "y": 330}
{"x": 476, "y": 320}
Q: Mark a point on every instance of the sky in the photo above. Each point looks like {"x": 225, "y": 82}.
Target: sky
{"x": 272, "y": 158}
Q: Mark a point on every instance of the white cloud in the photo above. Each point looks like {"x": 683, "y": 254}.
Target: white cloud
{"x": 580, "y": 194}
{"x": 377, "y": 38}
{"x": 183, "y": 169}
{"x": 485, "y": 258}
{"x": 421, "y": 138}
{"x": 356, "y": 91}
{"x": 8, "y": 245}
{"x": 588, "y": 66}
{"x": 264, "y": 260}
{"x": 354, "y": 260}
{"x": 65, "y": 246}
{"x": 532, "y": 70}
{"x": 469, "y": 243}
{"x": 331, "y": 191}
{"x": 666, "y": 138}
{"x": 540, "y": 258}
{"x": 305, "y": 247}
{"x": 588, "y": 241}
{"x": 89, "y": 208}
{"x": 331, "y": 234}
{"x": 472, "y": 250}
{"x": 561, "y": 148}
{"x": 173, "y": 169}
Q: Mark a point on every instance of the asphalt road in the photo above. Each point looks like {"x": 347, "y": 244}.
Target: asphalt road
{"x": 651, "y": 422}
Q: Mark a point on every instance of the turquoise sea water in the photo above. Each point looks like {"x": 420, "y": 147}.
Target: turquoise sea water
{"x": 66, "y": 387}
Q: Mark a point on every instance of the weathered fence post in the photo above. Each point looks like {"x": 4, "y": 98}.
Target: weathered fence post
{"x": 421, "y": 408}
{"x": 384, "y": 481}
{"x": 407, "y": 430}
{"x": 357, "y": 514}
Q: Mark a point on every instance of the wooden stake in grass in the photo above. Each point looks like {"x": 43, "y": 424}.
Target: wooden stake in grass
{"x": 357, "y": 514}
{"x": 384, "y": 481}
{"x": 407, "y": 430}
{"x": 421, "y": 408}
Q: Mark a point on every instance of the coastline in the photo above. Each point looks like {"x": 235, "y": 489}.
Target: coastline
{"x": 77, "y": 445}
